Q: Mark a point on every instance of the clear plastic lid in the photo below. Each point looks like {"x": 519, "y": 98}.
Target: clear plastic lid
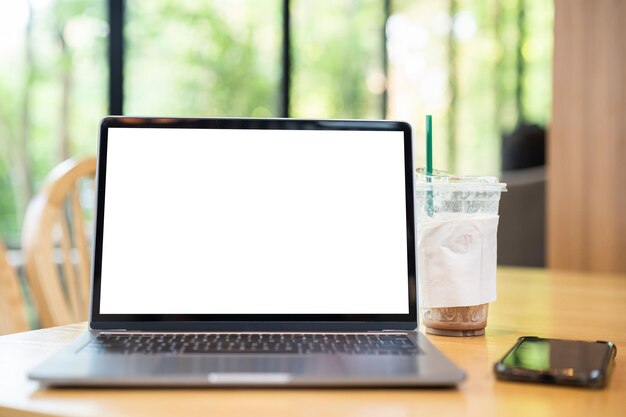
{"x": 445, "y": 179}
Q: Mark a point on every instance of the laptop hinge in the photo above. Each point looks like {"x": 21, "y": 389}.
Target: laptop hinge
{"x": 387, "y": 330}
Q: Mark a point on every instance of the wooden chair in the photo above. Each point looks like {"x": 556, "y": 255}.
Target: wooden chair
{"x": 12, "y": 308}
{"x": 56, "y": 241}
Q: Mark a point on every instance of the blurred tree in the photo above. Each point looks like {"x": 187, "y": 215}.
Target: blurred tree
{"x": 338, "y": 67}
{"x": 495, "y": 71}
{"x": 204, "y": 58}
{"x": 453, "y": 81}
{"x": 65, "y": 67}
{"x": 477, "y": 65}
{"x": 521, "y": 64}
{"x": 17, "y": 139}
{"x": 51, "y": 94}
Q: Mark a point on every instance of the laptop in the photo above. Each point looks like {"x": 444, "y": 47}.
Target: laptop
{"x": 252, "y": 252}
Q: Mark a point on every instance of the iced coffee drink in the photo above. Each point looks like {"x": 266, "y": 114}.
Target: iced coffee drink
{"x": 456, "y": 321}
{"x": 457, "y": 221}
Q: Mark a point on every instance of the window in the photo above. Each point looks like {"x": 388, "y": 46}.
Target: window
{"x": 202, "y": 58}
{"x": 338, "y": 59}
{"x": 479, "y": 66}
{"x": 52, "y": 94}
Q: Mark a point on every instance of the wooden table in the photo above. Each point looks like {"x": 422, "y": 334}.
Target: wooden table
{"x": 530, "y": 302}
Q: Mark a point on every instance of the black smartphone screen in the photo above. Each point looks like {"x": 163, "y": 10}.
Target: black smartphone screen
{"x": 557, "y": 361}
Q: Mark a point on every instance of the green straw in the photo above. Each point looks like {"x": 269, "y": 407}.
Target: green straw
{"x": 429, "y": 144}
{"x": 429, "y": 163}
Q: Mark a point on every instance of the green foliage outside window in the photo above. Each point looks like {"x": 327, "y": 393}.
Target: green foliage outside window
{"x": 53, "y": 83}
{"x": 479, "y": 66}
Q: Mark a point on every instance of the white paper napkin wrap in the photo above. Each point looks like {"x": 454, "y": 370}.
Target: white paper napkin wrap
{"x": 457, "y": 261}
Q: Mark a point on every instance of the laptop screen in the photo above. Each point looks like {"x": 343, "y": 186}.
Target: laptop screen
{"x": 241, "y": 222}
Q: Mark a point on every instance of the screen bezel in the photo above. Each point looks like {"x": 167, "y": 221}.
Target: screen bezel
{"x": 247, "y": 322}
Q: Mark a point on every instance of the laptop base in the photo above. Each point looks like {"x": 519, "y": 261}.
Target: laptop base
{"x": 73, "y": 368}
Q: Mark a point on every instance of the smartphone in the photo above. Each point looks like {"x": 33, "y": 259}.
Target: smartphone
{"x": 557, "y": 361}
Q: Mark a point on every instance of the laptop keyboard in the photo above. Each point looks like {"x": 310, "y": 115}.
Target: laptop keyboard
{"x": 202, "y": 343}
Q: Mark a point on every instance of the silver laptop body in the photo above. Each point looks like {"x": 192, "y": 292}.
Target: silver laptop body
{"x": 252, "y": 252}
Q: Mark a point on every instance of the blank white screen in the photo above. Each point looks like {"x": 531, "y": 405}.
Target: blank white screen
{"x": 206, "y": 221}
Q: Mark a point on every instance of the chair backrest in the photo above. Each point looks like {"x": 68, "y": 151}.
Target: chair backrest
{"x": 521, "y": 231}
{"x": 12, "y": 308}
{"x": 56, "y": 241}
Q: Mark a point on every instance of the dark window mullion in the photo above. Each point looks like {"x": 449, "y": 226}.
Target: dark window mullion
{"x": 285, "y": 85}
{"x": 116, "y": 56}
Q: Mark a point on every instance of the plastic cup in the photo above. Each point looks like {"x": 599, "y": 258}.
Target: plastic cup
{"x": 455, "y": 212}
